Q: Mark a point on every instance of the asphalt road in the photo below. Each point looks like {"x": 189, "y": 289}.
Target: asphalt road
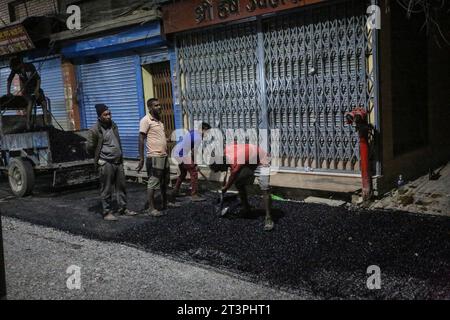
{"x": 40, "y": 261}
{"x": 315, "y": 250}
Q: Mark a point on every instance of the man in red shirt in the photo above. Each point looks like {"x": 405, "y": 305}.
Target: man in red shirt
{"x": 245, "y": 161}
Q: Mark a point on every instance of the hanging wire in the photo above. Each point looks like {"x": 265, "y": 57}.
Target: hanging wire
{"x": 430, "y": 9}
{"x": 26, "y": 7}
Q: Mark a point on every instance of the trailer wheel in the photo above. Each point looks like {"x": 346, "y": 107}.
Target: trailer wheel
{"x": 21, "y": 177}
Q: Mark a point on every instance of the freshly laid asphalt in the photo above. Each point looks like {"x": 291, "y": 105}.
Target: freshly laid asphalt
{"x": 324, "y": 250}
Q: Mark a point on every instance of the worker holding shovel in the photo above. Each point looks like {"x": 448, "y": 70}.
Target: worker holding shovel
{"x": 246, "y": 161}
{"x": 184, "y": 151}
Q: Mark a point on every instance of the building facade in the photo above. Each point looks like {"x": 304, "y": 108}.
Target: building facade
{"x": 16, "y": 10}
{"x": 121, "y": 59}
{"x": 118, "y": 57}
{"x": 291, "y": 67}
{"x": 297, "y": 67}
{"x": 21, "y": 16}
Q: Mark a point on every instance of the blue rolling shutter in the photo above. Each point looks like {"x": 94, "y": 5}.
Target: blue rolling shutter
{"x": 113, "y": 82}
{"x": 53, "y": 86}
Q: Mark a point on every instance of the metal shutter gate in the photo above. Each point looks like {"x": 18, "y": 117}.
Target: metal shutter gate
{"x": 113, "y": 81}
{"x": 220, "y": 72}
{"x": 53, "y": 86}
{"x": 317, "y": 66}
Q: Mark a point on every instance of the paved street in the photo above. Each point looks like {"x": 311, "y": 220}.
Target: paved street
{"x": 37, "y": 259}
{"x": 315, "y": 251}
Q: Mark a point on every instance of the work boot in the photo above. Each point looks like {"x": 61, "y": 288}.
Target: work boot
{"x": 197, "y": 198}
{"x": 154, "y": 213}
{"x": 126, "y": 212}
{"x": 109, "y": 217}
{"x": 269, "y": 224}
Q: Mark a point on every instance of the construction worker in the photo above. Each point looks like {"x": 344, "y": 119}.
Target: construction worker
{"x": 184, "y": 152}
{"x": 30, "y": 83}
{"x": 245, "y": 161}
{"x": 151, "y": 130}
{"x": 104, "y": 143}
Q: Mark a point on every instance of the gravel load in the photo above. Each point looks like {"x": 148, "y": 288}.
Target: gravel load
{"x": 325, "y": 250}
{"x": 66, "y": 146}
{"x": 13, "y": 102}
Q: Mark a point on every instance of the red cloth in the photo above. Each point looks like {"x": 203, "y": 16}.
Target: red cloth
{"x": 184, "y": 169}
{"x": 239, "y": 155}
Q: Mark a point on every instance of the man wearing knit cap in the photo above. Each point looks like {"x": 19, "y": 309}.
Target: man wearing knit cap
{"x": 104, "y": 142}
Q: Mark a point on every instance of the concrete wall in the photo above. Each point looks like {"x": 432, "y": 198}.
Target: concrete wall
{"x": 95, "y": 11}
{"x": 4, "y": 13}
{"x": 34, "y": 8}
{"x": 70, "y": 95}
{"x": 147, "y": 83}
{"x": 435, "y": 84}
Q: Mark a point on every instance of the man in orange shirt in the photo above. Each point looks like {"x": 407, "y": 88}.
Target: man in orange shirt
{"x": 245, "y": 161}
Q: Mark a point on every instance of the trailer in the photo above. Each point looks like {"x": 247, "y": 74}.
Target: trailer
{"x": 27, "y": 151}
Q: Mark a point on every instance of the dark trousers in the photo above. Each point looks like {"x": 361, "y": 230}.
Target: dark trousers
{"x": 112, "y": 176}
{"x": 184, "y": 169}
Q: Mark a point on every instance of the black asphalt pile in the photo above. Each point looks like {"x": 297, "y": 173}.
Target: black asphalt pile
{"x": 13, "y": 102}
{"x": 66, "y": 146}
{"x": 325, "y": 250}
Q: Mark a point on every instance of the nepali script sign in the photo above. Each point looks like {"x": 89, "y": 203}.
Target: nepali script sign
{"x": 191, "y": 14}
{"x": 14, "y": 39}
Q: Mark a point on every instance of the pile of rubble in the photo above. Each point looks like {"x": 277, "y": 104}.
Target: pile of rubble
{"x": 66, "y": 146}
{"x": 428, "y": 194}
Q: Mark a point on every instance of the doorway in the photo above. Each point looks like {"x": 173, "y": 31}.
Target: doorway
{"x": 157, "y": 84}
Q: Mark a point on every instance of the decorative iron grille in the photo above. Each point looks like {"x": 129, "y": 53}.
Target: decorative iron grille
{"x": 220, "y": 83}
{"x": 316, "y": 64}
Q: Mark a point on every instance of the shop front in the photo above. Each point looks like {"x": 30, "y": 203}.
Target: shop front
{"x": 294, "y": 67}
{"x": 119, "y": 70}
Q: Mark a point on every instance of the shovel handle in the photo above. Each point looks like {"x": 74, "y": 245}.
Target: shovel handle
{"x": 201, "y": 173}
{"x": 225, "y": 179}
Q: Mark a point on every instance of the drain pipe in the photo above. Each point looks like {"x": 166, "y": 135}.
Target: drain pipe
{"x": 358, "y": 117}
{"x": 2, "y": 265}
